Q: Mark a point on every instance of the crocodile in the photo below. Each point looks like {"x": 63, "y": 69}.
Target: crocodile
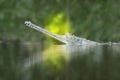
{"x": 67, "y": 39}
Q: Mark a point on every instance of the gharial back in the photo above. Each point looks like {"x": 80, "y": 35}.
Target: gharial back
{"x": 74, "y": 40}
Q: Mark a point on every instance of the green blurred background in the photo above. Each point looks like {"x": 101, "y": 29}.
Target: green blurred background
{"x": 97, "y": 20}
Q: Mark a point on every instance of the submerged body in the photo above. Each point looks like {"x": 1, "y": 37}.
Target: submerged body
{"x": 68, "y": 39}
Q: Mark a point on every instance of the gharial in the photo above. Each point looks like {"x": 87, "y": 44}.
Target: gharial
{"x": 68, "y": 39}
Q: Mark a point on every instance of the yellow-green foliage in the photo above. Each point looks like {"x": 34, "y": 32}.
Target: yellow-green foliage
{"x": 58, "y": 24}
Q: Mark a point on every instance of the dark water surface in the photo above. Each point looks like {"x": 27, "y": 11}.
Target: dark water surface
{"x": 31, "y": 61}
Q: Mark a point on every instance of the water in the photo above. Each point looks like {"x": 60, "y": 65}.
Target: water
{"x": 32, "y": 61}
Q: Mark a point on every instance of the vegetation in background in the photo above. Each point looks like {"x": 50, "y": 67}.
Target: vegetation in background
{"x": 97, "y": 20}
{"x": 58, "y": 24}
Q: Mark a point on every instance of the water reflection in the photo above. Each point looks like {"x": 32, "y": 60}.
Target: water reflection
{"x": 29, "y": 61}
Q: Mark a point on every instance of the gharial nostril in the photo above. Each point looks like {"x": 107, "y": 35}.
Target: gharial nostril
{"x": 27, "y": 23}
